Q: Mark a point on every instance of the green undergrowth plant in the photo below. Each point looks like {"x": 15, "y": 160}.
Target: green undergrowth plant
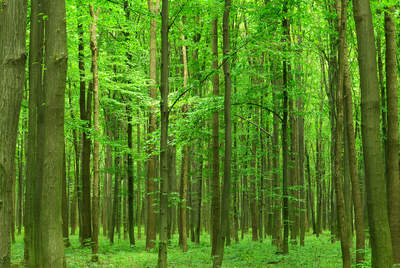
{"x": 317, "y": 253}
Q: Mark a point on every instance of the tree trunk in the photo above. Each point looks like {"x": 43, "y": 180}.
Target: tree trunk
{"x": 164, "y": 89}
{"x": 151, "y": 162}
{"x": 96, "y": 148}
{"x": 85, "y": 230}
{"x": 300, "y": 127}
{"x": 139, "y": 176}
{"x": 12, "y": 81}
{"x": 64, "y": 205}
{"x": 341, "y": 9}
{"x": 277, "y": 216}
{"x": 48, "y": 45}
{"x": 285, "y": 153}
{"x": 373, "y": 158}
{"x": 352, "y": 157}
{"x": 293, "y": 171}
{"x": 392, "y": 161}
{"x": 226, "y": 191}
{"x": 116, "y": 202}
{"x": 74, "y": 211}
{"x": 215, "y": 183}
{"x": 183, "y": 197}
{"x": 253, "y": 190}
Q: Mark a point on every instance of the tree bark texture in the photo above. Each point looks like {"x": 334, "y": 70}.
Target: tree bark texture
{"x": 372, "y": 148}
{"x": 12, "y": 81}
{"x": 48, "y": 45}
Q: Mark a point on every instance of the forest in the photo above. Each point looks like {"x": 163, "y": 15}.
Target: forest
{"x": 192, "y": 133}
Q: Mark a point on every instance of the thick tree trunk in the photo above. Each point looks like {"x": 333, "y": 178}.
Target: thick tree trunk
{"x": 12, "y": 81}
{"x": 373, "y": 157}
{"x": 392, "y": 161}
{"x": 44, "y": 242}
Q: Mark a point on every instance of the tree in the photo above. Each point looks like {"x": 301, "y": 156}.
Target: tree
{"x": 85, "y": 105}
{"x": 341, "y": 9}
{"x": 48, "y": 46}
{"x": 226, "y": 191}
{"x": 96, "y": 148}
{"x": 164, "y": 109}
{"x": 392, "y": 160}
{"x": 285, "y": 149}
{"x": 215, "y": 182}
{"x": 12, "y": 80}
{"x": 151, "y": 162}
{"x": 374, "y": 168}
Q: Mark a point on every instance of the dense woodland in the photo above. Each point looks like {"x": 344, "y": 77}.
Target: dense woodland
{"x": 216, "y": 128}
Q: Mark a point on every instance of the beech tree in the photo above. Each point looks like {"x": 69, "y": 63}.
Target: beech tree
{"x": 12, "y": 81}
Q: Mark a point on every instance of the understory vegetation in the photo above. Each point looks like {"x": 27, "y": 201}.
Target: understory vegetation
{"x": 317, "y": 253}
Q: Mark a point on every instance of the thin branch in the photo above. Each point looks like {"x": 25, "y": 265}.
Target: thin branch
{"x": 176, "y": 15}
{"x": 263, "y": 107}
{"x": 254, "y": 124}
{"x": 209, "y": 74}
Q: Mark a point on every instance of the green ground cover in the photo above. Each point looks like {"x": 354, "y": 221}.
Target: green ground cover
{"x": 317, "y": 253}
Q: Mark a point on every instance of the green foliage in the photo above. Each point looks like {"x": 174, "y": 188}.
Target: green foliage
{"x": 317, "y": 253}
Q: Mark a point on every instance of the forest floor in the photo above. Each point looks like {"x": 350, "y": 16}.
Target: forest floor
{"x": 317, "y": 253}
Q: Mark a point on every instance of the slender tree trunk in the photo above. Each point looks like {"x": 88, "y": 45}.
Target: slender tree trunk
{"x": 300, "y": 126}
{"x": 382, "y": 88}
{"x": 341, "y": 9}
{"x": 356, "y": 194}
{"x": 85, "y": 230}
{"x": 197, "y": 193}
{"x": 253, "y": 182}
{"x": 96, "y": 148}
{"x": 172, "y": 188}
{"x": 285, "y": 153}
{"x": 138, "y": 176}
{"x": 392, "y": 161}
{"x": 20, "y": 186}
{"x": 12, "y": 81}
{"x": 215, "y": 183}
{"x": 164, "y": 90}
{"x": 183, "y": 215}
{"x": 374, "y": 167}
{"x": 151, "y": 162}
{"x": 64, "y": 205}
{"x": 116, "y": 202}
{"x": 74, "y": 211}
{"x": 293, "y": 171}
{"x": 226, "y": 191}
{"x": 310, "y": 192}
{"x": 183, "y": 196}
